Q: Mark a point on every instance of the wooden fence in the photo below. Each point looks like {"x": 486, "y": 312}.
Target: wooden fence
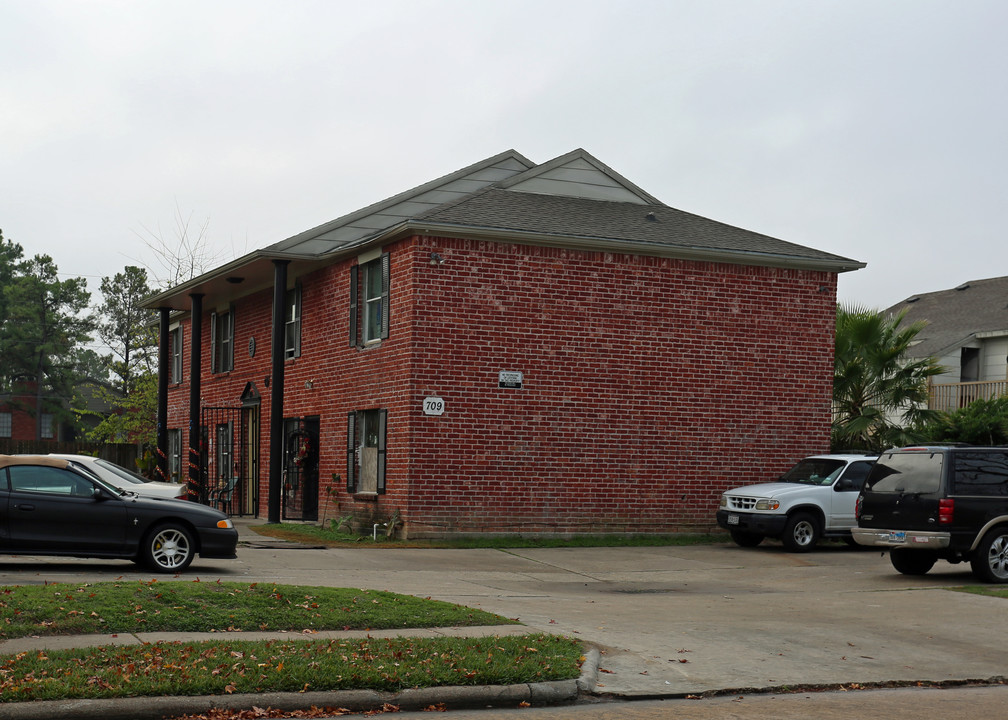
{"x": 124, "y": 454}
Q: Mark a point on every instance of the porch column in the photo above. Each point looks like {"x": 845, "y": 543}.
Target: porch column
{"x": 277, "y": 390}
{"x": 162, "y": 395}
{"x": 195, "y": 362}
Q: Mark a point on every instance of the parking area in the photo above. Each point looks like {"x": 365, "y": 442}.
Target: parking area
{"x": 670, "y": 620}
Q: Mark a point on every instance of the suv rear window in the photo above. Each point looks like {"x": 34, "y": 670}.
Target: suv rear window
{"x": 906, "y": 473}
{"x": 981, "y": 473}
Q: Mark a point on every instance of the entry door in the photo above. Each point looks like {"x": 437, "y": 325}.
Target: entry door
{"x": 250, "y": 462}
{"x": 300, "y": 478}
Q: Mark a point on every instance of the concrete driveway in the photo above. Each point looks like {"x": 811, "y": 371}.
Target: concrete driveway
{"x": 670, "y": 621}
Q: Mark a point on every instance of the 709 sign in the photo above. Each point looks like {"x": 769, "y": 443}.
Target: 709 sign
{"x": 433, "y": 406}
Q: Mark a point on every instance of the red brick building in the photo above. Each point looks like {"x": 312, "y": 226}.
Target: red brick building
{"x": 512, "y": 348}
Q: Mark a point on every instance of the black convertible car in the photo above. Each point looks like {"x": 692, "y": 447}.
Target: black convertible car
{"x": 51, "y": 506}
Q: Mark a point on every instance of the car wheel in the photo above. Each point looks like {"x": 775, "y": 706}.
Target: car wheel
{"x": 912, "y": 562}
{"x": 990, "y": 562}
{"x": 168, "y": 548}
{"x": 801, "y": 533}
{"x": 745, "y": 539}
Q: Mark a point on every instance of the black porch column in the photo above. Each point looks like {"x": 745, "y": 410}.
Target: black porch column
{"x": 194, "y": 397}
{"x": 277, "y": 390}
{"x": 162, "y": 395}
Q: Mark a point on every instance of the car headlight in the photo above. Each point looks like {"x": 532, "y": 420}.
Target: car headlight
{"x": 769, "y": 504}
{"x": 225, "y": 524}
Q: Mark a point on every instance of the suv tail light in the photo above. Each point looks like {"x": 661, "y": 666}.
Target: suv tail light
{"x": 946, "y": 509}
{"x": 857, "y": 507}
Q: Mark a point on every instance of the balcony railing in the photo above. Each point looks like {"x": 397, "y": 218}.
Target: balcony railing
{"x": 952, "y": 396}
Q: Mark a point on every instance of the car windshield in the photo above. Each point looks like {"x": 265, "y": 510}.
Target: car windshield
{"x": 814, "y": 471}
{"x": 121, "y": 472}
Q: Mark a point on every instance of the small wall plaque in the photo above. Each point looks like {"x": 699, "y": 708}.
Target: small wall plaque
{"x": 509, "y": 379}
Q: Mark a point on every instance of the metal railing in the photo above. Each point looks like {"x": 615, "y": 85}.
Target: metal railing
{"x": 952, "y": 396}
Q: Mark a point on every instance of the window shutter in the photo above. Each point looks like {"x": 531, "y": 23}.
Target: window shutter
{"x": 354, "y": 272}
{"x": 229, "y": 355}
{"x": 351, "y": 474}
{"x": 382, "y": 428}
{"x": 297, "y": 311}
{"x": 213, "y": 342}
{"x": 385, "y": 273}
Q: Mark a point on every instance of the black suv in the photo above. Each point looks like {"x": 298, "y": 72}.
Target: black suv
{"x": 938, "y": 503}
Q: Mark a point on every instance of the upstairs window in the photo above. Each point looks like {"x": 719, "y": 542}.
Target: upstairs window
{"x": 292, "y": 323}
{"x": 369, "y": 301}
{"x": 6, "y": 424}
{"x": 175, "y": 348}
{"x": 222, "y": 342}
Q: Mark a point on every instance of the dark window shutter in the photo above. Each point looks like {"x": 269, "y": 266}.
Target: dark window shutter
{"x": 354, "y": 272}
{"x": 213, "y": 342}
{"x": 229, "y": 359}
{"x": 297, "y": 311}
{"x": 351, "y": 463}
{"x": 385, "y": 273}
{"x": 382, "y": 429}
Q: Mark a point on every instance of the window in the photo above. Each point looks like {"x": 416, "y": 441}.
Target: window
{"x": 6, "y": 424}
{"x": 222, "y": 342}
{"x": 49, "y": 480}
{"x": 292, "y": 323}
{"x": 175, "y": 347}
{"x": 981, "y": 473}
{"x": 366, "y": 431}
{"x": 223, "y": 455}
{"x": 369, "y": 301}
{"x": 46, "y": 421}
{"x": 175, "y": 456}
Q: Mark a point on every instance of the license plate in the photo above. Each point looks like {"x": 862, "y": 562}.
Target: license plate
{"x": 897, "y": 537}
{"x": 733, "y": 519}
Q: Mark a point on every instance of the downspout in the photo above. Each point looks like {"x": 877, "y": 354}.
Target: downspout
{"x": 162, "y": 396}
{"x": 195, "y": 362}
{"x": 277, "y": 390}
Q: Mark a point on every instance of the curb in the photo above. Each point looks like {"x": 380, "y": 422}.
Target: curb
{"x": 556, "y": 692}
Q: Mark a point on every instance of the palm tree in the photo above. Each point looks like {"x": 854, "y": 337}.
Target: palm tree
{"x": 879, "y": 395}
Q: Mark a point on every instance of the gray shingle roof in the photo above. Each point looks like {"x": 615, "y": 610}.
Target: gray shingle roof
{"x": 955, "y": 316}
{"x": 572, "y": 217}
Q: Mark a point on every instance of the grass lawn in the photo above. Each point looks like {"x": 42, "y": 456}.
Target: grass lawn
{"x": 233, "y": 666}
{"x": 317, "y": 535}
{"x": 181, "y": 606}
{"x": 223, "y": 667}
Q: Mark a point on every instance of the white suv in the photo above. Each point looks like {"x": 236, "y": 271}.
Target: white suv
{"x": 814, "y": 499}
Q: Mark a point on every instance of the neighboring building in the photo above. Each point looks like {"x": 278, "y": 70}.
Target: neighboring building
{"x": 967, "y": 332}
{"x": 18, "y": 421}
{"x": 512, "y": 348}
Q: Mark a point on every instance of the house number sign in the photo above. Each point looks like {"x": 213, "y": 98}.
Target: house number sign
{"x": 510, "y": 379}
{"x": 433, "y": 406}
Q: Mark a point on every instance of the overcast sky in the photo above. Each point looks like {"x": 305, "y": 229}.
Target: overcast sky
{"x": 873, "y": 130}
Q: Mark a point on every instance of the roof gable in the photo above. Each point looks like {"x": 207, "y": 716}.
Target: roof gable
{"x": 578, "y": 174}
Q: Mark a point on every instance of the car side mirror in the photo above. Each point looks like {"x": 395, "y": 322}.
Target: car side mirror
{"x": 98, "y": 494}
{"x": 845, "y": 484}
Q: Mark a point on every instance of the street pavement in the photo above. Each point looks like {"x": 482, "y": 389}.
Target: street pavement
{"x": 668, "y": 622}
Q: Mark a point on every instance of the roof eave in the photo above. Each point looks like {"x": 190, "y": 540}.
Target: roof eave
{"x": 250, "y": 270}
{"x": 734, "y": 257}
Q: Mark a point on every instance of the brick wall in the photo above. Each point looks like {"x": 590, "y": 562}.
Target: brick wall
{"x": 649, "y": 385}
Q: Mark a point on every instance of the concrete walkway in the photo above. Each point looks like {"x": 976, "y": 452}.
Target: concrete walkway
{"x": 666, "y": 621}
